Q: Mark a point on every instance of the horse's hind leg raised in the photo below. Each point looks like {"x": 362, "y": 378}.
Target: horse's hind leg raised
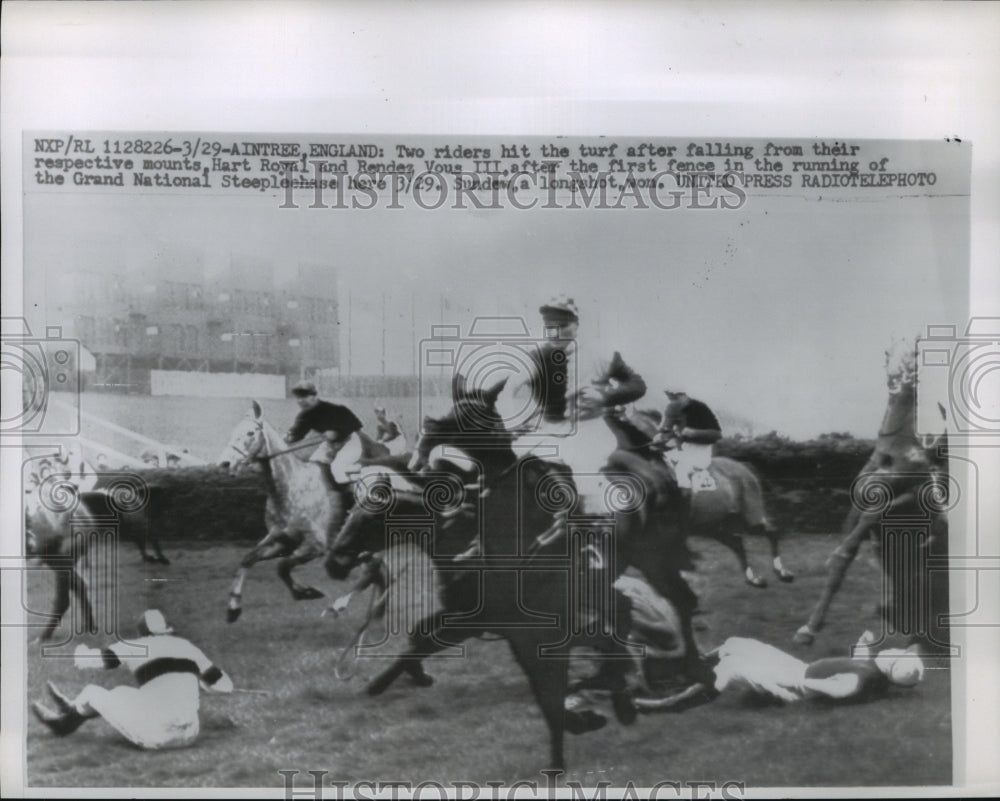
{"x": 271, "y": 547}
{"x": 304, "y": 553}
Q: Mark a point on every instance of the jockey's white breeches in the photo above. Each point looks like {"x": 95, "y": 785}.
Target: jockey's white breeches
{"x": 691, "y": 456}
{"x": 585, "y": 451}
{"x": 163, "y": 713}
{"x": 749, "y": 664}
{"x": 344, "y": 460}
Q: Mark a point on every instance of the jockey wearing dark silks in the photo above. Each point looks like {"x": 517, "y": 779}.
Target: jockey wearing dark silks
{"x": 320, "y": 416}
{"x": 339, "y": 455}
{"x": 572, "y": 389}
{"x": 389, "y": 432}
{"x": 690, "y": 428}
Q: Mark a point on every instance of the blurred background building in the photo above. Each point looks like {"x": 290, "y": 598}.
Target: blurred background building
{"x": 187, "y": 310}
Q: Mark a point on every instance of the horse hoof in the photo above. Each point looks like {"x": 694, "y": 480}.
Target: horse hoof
{"x": 786, "y": 577}
{"x": 163, "y": 560}
{"x": 757, "y": 582}
{"x": 804, "y": 637}
{"x": 584, "y": 721}
{"x": 422, "y": 680}
{"x": 307, "y": 594}
{"x": 232, "y": 615}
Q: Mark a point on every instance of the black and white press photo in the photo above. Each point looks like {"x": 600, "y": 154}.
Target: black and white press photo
{"x": 481, "y": 461}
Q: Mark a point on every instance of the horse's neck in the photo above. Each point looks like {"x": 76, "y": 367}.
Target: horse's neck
{"x": 897, "y": 427}
{"x": 285, "y": 472}
{"x": 628, "y": 433}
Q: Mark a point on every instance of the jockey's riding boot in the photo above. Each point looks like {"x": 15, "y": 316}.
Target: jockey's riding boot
{"x": 59, "y": 724}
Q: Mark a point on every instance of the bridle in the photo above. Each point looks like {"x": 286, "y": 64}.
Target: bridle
{"x": 253, "y": 452}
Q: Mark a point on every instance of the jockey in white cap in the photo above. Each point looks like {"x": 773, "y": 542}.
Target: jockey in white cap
{"x": 571, "y": 388}
{"x": 162, "y": 712}
{"x": 763, "y": 669}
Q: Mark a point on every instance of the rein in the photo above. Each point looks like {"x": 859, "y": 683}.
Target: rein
{"x": 298, "y": 447}
{"x": 269, "y": 456}
{"x": 359, "y": 635}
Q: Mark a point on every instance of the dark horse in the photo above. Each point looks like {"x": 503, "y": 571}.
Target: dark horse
{"x": 521, "y": 583}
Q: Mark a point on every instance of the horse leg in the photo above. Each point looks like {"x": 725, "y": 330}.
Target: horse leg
{"x": 159, "y": 553}
{"x": 270, "y": 547}
{"x": 773, "y": 535}
{"x": 421, "y": 646}
{"x": 418, "y": 675}
{"x": 734, "y": 542}
{"x": 549, "y": 680}
{"x": 669, "y": 583}
{"x": 838, "y": 563}
{"x": 60, "y": 605}
{"x": 78, "y": 584}
{"x": 304, "y": 553}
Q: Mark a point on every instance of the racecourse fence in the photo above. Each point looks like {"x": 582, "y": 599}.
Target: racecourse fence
{"x": 806, "y": 484}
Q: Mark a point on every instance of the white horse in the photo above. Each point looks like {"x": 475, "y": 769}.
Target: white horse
{"x": 303, "y": 512}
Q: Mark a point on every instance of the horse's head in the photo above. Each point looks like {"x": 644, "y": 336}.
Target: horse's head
{"x": 473, "y": 424}
{"x": 900, "y": 365}
{"x": 247, "y": 442}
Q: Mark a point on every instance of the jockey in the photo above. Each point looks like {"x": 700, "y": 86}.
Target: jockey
{"x": 388, "y": 432}
{"x": 338, "y": 456}
{"x": 765, "y": 670}
{"x": 689, "y": 428}
{"x": 163, "y": 711}
{"x": 572, "y": 389}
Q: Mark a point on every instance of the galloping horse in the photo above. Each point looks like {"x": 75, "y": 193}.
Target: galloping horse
{"x": 519, "y": 587}
{"x": 735, "y": 505}
{"x": 301, "y": 508}
{"x": 905, "y": 471}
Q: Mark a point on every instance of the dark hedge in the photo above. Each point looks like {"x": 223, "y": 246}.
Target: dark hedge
{"x": 806, "y": 487}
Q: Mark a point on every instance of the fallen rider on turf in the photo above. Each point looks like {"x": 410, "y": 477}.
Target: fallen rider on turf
{"x": 766, "y": 671}
{"x": 163, "y": 711}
